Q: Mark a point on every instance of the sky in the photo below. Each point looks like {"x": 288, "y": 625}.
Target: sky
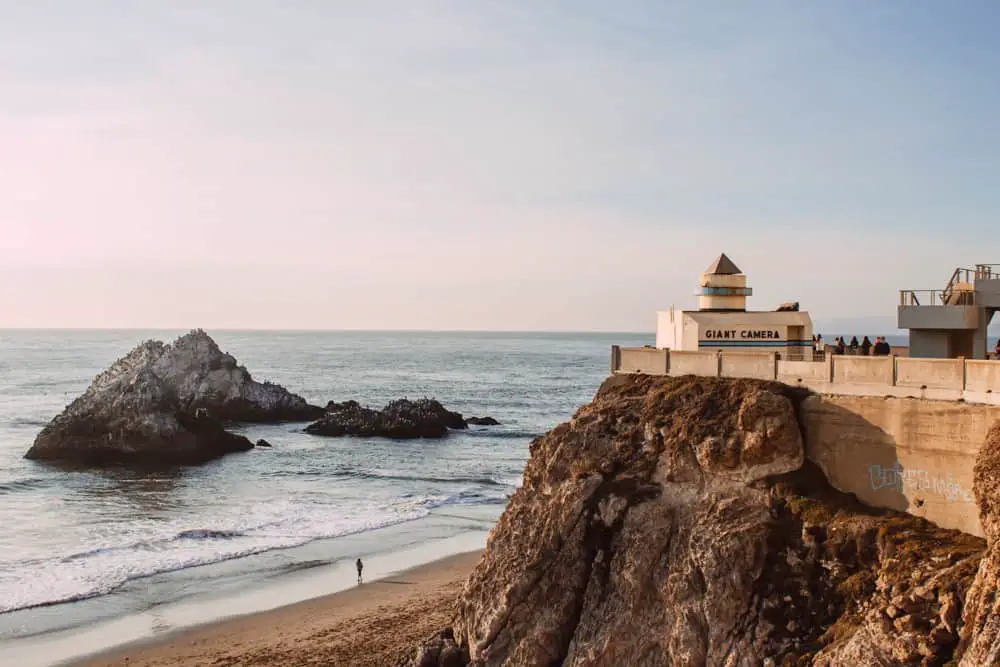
{"x": 488, "y": 165}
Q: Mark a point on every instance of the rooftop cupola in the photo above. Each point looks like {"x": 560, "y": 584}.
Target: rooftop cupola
{"x": 723, "y": 287}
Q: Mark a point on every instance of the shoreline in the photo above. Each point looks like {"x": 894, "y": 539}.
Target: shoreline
{"x": 366, "y": 625}
{"x": 192, "y": 599}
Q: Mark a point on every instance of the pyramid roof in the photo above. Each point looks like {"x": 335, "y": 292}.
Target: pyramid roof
{"x": 723, "y": 266}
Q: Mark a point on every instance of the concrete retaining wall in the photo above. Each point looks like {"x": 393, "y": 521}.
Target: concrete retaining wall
{"x": 645, "y": 360}
{"x": 863, "y": 370}
{"x": 931, "y": 373}
{"x": 900, "y": 377}
{"x": 694, "y": 363}
{"x": 760, "y": 366}
{"x": 982, "y": 376}
{"x": 906, "y": 454}
{"x": 797, "y": 372}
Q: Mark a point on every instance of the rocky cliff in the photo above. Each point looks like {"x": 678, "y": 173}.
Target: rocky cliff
{"x": 673, "y": 521}
{"x": 166, "y": 404}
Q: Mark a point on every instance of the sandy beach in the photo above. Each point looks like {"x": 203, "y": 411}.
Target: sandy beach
{"x": 374, "y": 624}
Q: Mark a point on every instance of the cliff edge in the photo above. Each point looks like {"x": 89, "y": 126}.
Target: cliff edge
{"x": 674, "y": 521}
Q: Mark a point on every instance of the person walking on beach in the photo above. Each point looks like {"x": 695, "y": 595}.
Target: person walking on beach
{"x": 361, "y": 566}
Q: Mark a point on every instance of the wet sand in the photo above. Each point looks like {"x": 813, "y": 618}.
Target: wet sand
{"x": 374, "y": 624}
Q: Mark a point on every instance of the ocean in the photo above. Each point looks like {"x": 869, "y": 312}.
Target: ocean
{"x": 84, "y": 547}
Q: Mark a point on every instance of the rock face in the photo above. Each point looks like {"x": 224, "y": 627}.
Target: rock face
{"x": 402, "y": 419}
{"x": 166, "y": 404}
{"x": 673, "y": 521}
{"x": 981, "y": 638}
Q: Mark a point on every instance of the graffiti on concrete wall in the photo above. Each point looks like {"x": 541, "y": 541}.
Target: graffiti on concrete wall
{"x": 916, "y": 481}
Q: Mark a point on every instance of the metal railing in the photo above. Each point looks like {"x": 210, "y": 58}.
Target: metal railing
{"x": 987, "y": 271}
{"x": 935, "y": 297}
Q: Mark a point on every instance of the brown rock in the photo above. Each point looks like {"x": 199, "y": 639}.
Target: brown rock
{"x": 981, "y": 635}
{"x": 672, "y": 521}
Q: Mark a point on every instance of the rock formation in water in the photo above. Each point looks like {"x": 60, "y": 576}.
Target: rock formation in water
{"x": 402, "y": 419}
{"x": 166, "y": 404}
{"x": 673, "y": 521}
{"x": 481, "y": 421}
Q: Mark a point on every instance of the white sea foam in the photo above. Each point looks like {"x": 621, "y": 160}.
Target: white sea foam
{"x": 143, "y": 550}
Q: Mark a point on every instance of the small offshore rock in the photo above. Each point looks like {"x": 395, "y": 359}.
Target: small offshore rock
{"x": 262, "y": 443}
{"x": 400, "y": 419}
{"x": 481, "y": 421}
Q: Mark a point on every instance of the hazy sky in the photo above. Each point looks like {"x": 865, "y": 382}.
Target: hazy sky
{"x": 486, "y": 165}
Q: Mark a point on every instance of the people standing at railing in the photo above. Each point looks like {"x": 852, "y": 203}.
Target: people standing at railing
{"x": 996, "y": 350}
{"x": 866, "y": 346}
{"x": 818, "y": 344}
{"x": 853, "y": 347}
{"x": 881, "y": 347}
{"x": 839, "y": 347}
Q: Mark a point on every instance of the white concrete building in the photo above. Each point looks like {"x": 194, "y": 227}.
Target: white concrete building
{"x": 722, "y": 321}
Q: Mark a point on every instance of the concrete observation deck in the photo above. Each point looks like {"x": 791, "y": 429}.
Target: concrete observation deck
{"x": 952, "y": 322}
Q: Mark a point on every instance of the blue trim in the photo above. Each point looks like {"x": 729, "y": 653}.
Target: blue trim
{"x": 724, "y": 291}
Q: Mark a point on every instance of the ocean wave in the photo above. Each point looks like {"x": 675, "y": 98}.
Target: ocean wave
{"x": 29, "y": 484}
{"x": 102, "y": 570}
{"x": 463, "y": 498}
{"x": 482, "y": 480}
{"x": 486, "y": 432}
{"x": 344, "y": 471}
{"x": 207, "y": 534}
{"x": 24, "y": 422}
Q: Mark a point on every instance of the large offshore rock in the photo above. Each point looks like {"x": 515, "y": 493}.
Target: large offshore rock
{"x": 673, "y": 521}
{"x": 402, "y": 419}
{"x": 166, "y": 404}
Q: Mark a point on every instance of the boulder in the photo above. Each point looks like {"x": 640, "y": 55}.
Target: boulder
{"x": 166, "y": 404}
{"x": 400, "y": 419}
{"x": 674, "y": 521}
{"x": 481, "y": 421}
{"x": 262, "y": 443}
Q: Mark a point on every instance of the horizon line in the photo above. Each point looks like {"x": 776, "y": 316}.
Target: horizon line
{"x": 323, "y": 330}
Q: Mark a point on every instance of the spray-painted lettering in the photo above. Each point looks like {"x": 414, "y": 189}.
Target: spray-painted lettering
{"x": 914, "y": 481}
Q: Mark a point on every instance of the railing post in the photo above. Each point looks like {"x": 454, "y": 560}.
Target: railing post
{"x": 774, "y": 365}
{"x": 718, "y": 364}
{"x": 895, "y": 371}
{"x": 666, "y": 361}
{"x": 965, "y": 372}
{"x": 616, "y": 358}
{"x": 828, "y": 360}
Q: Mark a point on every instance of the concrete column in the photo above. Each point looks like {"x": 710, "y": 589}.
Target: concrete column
{"x": 774, "y": 365}
{"x": 718, "y": 364}
{"x": 666, "y": 362}
{"x": 616, "y": 358}
{"x": 979, "y": 338}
